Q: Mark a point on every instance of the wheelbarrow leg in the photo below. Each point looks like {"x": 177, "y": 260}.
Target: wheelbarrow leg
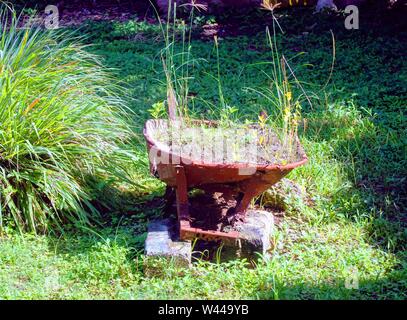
{"x": 241, "y": 207}
{"x": 182, "y": 198}
{"x": 187, "y": 232}
{"x": 250, "y": 191}
{"x": 169, "y": 197}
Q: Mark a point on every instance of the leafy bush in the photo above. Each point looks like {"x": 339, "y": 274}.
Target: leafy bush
{"x": 62, "y": 125}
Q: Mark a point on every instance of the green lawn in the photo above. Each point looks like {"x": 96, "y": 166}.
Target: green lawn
{"x": 356, "y": 140}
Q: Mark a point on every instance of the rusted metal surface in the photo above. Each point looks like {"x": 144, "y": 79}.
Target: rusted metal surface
{"x": 211, "y": 177}
{"x": 189, "y": 233}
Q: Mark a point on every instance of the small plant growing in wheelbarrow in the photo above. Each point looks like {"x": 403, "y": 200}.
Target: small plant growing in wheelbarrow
{"x": 238, "y": 161}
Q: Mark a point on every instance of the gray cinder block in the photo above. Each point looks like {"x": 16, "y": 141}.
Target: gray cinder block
{"x": 255, "y": 232}
{"x": 160, "y": 244}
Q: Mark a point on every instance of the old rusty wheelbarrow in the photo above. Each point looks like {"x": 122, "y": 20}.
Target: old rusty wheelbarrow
{"x": 187, "y": 174}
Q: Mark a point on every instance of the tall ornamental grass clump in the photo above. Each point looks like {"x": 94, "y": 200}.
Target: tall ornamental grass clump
{"x": 62, "y": 124}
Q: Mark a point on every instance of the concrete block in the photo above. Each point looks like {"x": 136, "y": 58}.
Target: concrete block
{"x": 256, "y": 232}
{"x": 160, "y": 244}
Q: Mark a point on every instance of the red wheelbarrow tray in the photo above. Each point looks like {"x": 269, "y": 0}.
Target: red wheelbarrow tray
{"x": 227, "y": 178}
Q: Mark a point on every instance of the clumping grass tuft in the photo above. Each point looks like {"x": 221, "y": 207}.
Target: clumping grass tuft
{"x": 62, "y": 125}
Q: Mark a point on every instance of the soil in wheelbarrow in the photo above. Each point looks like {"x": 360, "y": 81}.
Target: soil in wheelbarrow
{"x": 208, "y": 211}
{"x": 209, "y": 143}
{"x": 211, "y": 211}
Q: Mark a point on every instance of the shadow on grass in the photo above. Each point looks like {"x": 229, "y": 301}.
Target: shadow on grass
{"x": 122, "y": 221}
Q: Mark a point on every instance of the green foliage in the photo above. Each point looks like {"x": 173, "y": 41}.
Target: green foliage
{"x": 63, "y": 126}
{"x": 355, "y": 137}
{"x": 158, "y": 110}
